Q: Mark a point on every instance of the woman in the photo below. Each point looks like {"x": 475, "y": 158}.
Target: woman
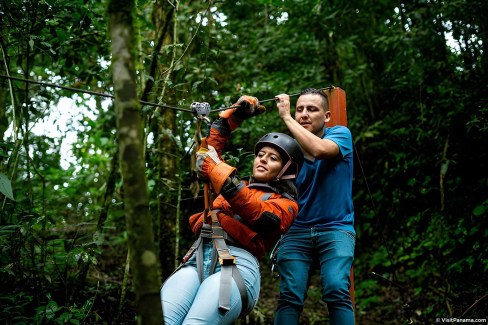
{"x": 246, "y": 220}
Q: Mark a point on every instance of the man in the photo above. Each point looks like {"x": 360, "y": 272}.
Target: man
{"x": 323, "y": 234}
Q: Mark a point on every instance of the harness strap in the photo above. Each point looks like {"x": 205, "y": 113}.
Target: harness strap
{"x": 266, "y": 187}
{"x": 228, "y": 268}
{"x": 199, "y": 261}
{"x": 229, "y": 272}
{"x": 192, "y": 249}
{"x": 213, "y": 262}
{"x": 242, "y": 289}
{"x": 225, "y": 287}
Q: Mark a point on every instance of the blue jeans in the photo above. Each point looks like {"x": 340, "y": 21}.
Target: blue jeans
{"x": 187, "y": 301}
{"x": 333, "y": 251}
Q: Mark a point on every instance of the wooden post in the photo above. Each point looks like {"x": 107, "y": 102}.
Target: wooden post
{"x": 338, "y": 112}
{"x": 337, "y": 106}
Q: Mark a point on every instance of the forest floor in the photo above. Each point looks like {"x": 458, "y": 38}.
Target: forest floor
{"x": 388, "y": 309}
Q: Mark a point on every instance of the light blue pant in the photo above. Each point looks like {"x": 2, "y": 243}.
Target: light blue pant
{"x": 187, "y": 301}
{"x": 300, "y": 250}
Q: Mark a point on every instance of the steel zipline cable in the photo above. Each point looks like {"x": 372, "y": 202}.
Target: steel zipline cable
{"x": 197, "y": 113}
{"x": 47, "y": 84}
{"x": 94, "y": 93}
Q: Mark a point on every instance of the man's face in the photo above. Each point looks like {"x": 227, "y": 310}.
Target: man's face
{"x": 310, "y": 113}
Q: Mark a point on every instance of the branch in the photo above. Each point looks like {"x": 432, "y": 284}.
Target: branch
{"x": 443, "y": 171}
{"x": 191, "y": 41}
{"x": 7, "y": 71}
{"x": 470, "y": 307}
{"x": 154, "y": 61}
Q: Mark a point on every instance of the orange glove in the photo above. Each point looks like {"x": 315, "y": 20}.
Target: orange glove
{"x": 196, "y": 222}
{"x": 248, "y": 107}
{"x": 209, "y": 166}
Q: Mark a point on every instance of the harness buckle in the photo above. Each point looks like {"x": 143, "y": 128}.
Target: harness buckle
{"x": 230, "y": 260}
{"x": 206, "y": 231}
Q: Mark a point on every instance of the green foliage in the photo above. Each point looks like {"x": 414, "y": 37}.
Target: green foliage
{"x": 52, "y": 313}
{"x": 6, "y": 186}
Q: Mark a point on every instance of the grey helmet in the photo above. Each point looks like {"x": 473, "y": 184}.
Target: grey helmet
{"x": 289, "y": 150}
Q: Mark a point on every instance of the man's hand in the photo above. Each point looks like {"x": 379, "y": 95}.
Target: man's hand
{"x": 283, "y": 105}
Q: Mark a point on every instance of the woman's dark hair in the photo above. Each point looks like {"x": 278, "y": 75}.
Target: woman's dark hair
{"x": 285, "y": 186}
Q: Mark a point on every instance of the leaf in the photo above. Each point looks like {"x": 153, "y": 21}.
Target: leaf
{"x": 98, "y": 238}
{"x": 479, "y": 210}
{"x": 6, "y": 187}
{"x": 51, "y": 309}
{"x": 444, "y": 167}
{"x": 196, "y": 84}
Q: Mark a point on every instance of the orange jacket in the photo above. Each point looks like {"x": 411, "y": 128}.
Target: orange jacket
{"x": 245, "y": 215}
{"x": 239, "y": 217}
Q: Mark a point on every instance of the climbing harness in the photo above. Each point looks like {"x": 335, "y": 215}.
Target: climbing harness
{"x": 222, "y": 254}
{"x": 211, "y": 229}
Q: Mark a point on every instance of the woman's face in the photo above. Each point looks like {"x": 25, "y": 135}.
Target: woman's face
{"x": 267, "y": 164}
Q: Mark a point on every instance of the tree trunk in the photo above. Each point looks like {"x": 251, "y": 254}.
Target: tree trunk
{"x": 143, "y": 261}
{"x": 164, "y": 18}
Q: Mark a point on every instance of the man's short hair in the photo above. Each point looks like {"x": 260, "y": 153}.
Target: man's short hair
{"x": 320, "y": 92}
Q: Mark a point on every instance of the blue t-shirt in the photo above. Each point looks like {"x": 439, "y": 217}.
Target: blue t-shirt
{"x": 325, "y": 187}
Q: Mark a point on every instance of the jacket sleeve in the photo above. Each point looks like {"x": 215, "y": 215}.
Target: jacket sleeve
{"x": 219, "y": 135}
